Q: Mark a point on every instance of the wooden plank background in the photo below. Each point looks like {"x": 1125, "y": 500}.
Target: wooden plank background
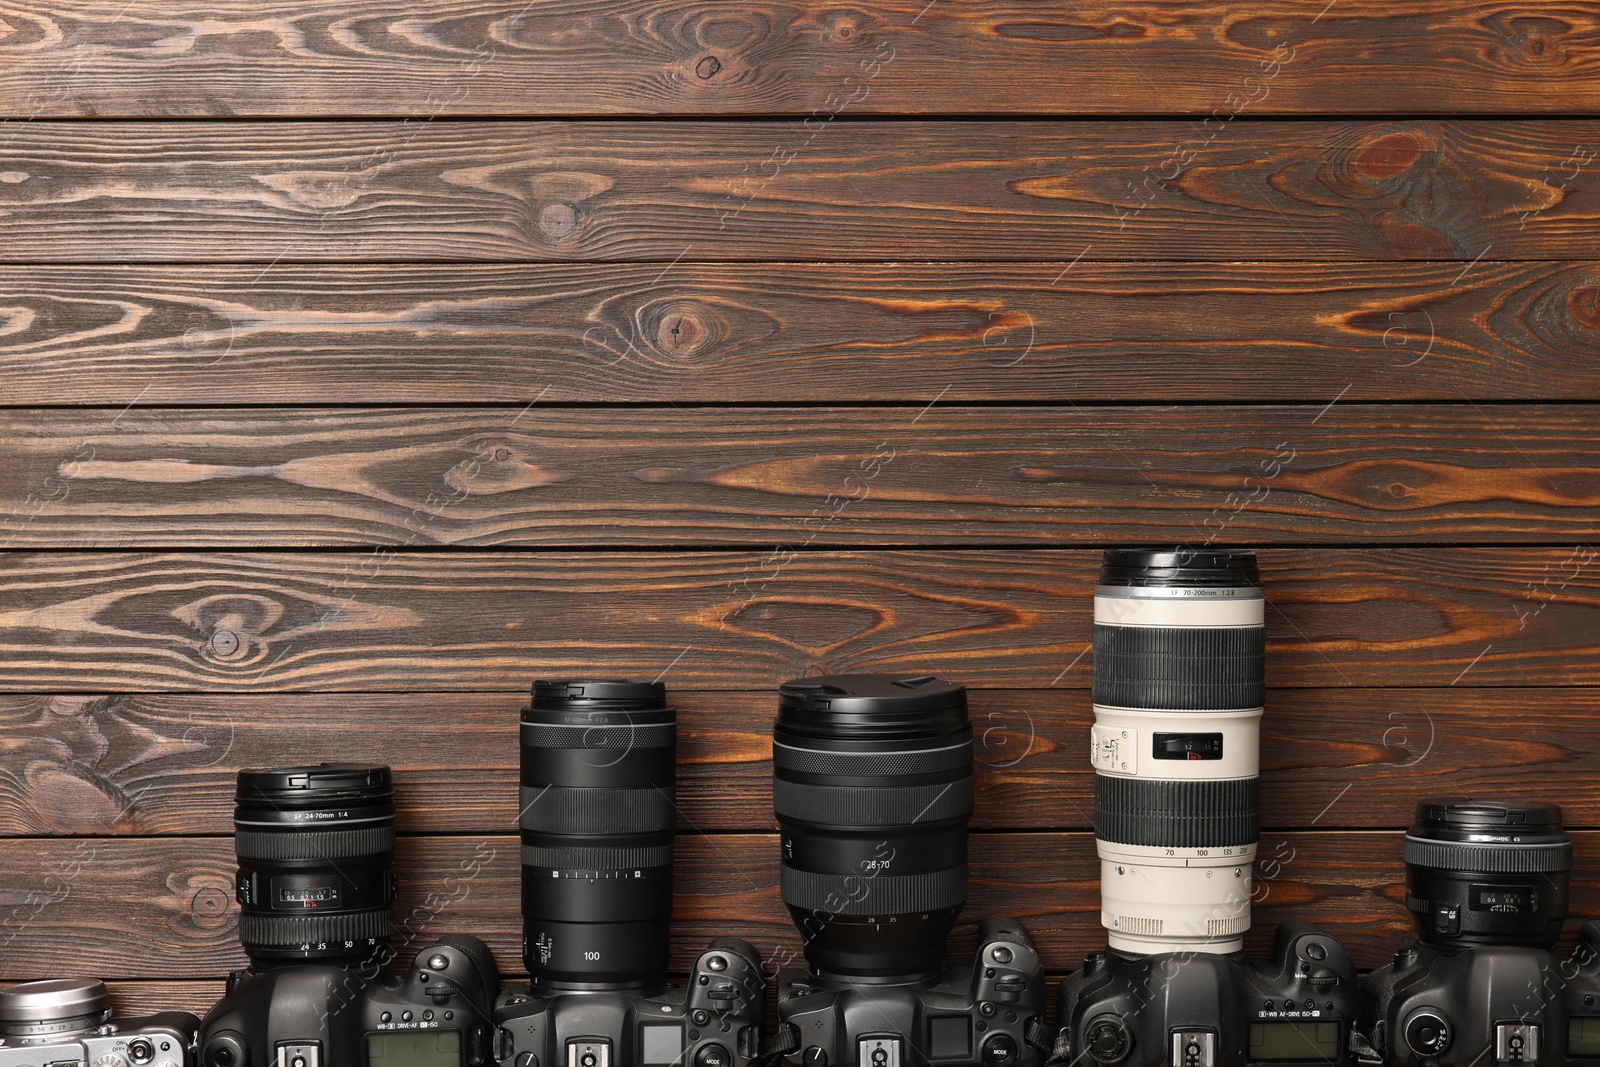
{"x": 359, "y": 364}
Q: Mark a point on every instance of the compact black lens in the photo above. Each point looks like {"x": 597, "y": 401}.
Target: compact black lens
{"x": 1483, "y": 872}
{"x": 873, "y": 791}
{"x": 316, "y": 851}
{"x": 598, "y": 807}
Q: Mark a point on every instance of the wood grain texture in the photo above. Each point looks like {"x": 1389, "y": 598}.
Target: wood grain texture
{"x": 165, "y": 763}
{"x": 299, "y": 192}
{"x": 800, "y": 332}
{"x": 95, "y": 58}
{"x": 390, "y": 621}
{"x": 590, "y": 477}
{"x": 163, "y": 908}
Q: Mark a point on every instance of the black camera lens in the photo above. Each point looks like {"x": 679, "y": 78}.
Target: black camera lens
{"x": 1179, "y": 652}
{"x": 1483, "y": 872}
{"x": 598, "y": 806}
{"x": 316, "y": 857}
{"x": 873, "y": 791}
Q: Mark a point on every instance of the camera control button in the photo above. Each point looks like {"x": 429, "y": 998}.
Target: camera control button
{"x": 713, "y": 1055}
{"x": 814, "y": 1056}
{"x": 701, "y": 1017}
{"x": 439, "y": 962}
{"x": 1316, "y": 951}
{"x": 1001, "y": 954}
{"x": 1000, "y": 1051}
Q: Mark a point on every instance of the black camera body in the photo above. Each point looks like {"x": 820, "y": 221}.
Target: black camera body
{"x": 1487, "y": 1004}
{"x": 1199, "y": 1009}
{"x": 355, "y": 1015}
{"x": 984, "y": 1015}
{"x": 714, "y": 1021}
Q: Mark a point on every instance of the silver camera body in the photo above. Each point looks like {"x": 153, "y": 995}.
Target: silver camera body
{"x": 67, "y": 1022}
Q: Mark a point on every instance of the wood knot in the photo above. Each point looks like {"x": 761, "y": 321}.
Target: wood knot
{"x": 683, "y": 328}
{"x": 707, "y": 68}
{"x": 1583, "y": 304}
{"x": 558, "y": 220}
{"x": 1388, "y": 156}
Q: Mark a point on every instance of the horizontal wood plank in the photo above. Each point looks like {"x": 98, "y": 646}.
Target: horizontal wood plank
{"x": 96, "y": 58}
{"x": 163, "y": 908}
{"x": 338, "y": 191}
{"x": 824, "y": 476}
{"x": 800, "y": 332}
{"x": 389, "y": 620}
{"x": 1336, "y": 758}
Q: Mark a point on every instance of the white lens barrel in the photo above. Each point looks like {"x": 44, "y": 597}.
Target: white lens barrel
{"x": 1178, "y": 690}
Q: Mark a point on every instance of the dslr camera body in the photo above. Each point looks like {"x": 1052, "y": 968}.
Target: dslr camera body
{"x": 714, "y": 1021}
{"x": 1199, "y": 1009}
{"x": 1179, "y": 691}
{"x": 315, "y": 848}
{"x": 326, "y": 1015}
{"x": 67, "y": 1022}
{"x": 982, "y": 1015}
{"x": 1487, "y": 884}
{"x": 598, "y": 770}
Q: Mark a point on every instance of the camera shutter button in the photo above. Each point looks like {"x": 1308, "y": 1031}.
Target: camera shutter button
{"x": 439, "y": 961}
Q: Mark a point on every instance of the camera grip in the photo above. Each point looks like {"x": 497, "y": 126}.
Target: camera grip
{"x": 485, "y": 973}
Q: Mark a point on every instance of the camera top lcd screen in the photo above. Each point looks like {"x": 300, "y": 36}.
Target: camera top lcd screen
{"x": 661, "y": 1044}
{"x": 414, "y": 1048}
{"x": 1309, "y": 1041}
{"x": 1583, "y": 1037}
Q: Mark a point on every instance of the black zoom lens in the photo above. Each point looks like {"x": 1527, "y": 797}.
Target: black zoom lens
{"x": 1488, "y": 873}
{"x": 873, "y": 790}
{"x": 598, "y": 775}
{"x": 315, "y": 848}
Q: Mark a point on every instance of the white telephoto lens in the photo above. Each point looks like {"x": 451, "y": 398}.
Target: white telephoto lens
{"x": 1179, "y": 642}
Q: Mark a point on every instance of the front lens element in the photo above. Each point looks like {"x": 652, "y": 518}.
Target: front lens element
{"x": 1179, "y": 648}
{"x": 598, "y": 811}
{"x": 316, "y": 852}
{"x": 1483, "y": 872}
{"x": 873, "y": 791}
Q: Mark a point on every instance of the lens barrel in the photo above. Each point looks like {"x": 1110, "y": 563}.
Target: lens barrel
{"x": 873, "y": 791}
{"x": 37, "y": 1012}
{"x": 1179, "y": 684}
{"x": 315, "y": 846}
{"x": 1484, "y": 872}
{"x": 598, "y": 812}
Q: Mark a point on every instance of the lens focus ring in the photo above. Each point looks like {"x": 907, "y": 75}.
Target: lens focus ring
{"x": 332, "y": 845}
{"x": 294, "y": 931}
{"x": 842, "y": 805}
{"x": 1157, "y": 667}
{"x": 868, "y": 894}
{"x": 560, "y": 810}
{"x": 871, "y": 764}
{"x": 1507, "y": 858}
{"x": 1177, "y": 814}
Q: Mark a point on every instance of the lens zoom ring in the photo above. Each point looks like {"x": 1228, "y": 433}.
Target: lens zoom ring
{"x": 871, "y": 764}
{"x": 1185, "y": 814}
{"x": 597, "y": 859}
{"x": 1490, "y": 858}
{"x": 840, "y": 805}
{"x": 291, "y": 931}
{"x": 571, "y": 810}
{"x": 874, "y": 894}
{"x": 1179, "y": 668}
{"x": 609, "y": 736}
{"x": 298, "y": 843}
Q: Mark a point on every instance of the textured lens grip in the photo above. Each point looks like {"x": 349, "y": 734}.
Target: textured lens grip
{"x": 307, "y": 844}
{"x": 563, "y": 810}
{"x": 1177, "y": 814}
{"x": 841, "y": 805}
{"x": 607, "y": 736}
{"x": 874, "y": 894}
{"x": 871, "y": 764}
{"x": 1167, "y": 668}
{"x": 596, "y": 859}
{"x": 1492, "y": 858}
{"x": 292, "y": 931}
